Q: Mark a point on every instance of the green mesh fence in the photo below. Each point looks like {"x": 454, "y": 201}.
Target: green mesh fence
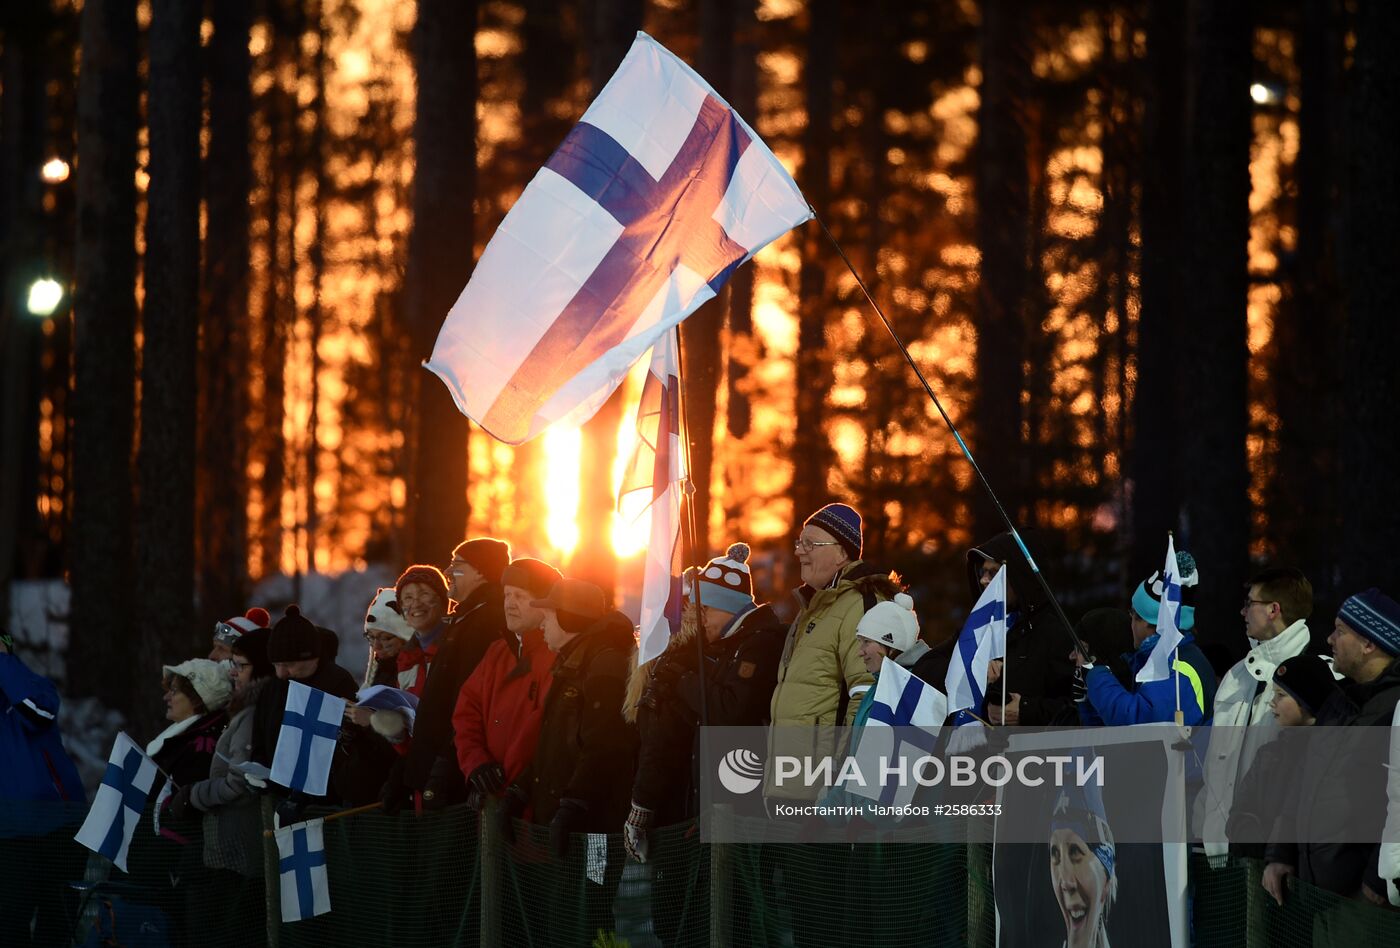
{"x": 450, "y": 879}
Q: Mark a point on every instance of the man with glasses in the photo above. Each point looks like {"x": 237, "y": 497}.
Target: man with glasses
{"x": 228, "y": 631}
{"x": 1277, "y": 604}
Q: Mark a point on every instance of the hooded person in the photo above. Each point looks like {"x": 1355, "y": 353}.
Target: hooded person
{"x": 1039, "y": 672}
{"x": 1340, "y": 785}
{"x": 743, "y": 641}
{"x": 1277, "y": 603}
{"x": 496, "y": 722}
{"x": 196, "y": 693}
{"x": 429, "y": 773}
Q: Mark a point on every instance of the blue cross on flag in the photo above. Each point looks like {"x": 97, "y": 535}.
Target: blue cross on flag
{"x": 652, "y": 486}
{"x": 1158, "y": 666}
{"x": 906, "y": 710}
{"x": 116, "y": 809}
{"x": 982, "y": 639}
{"x": 301, "y": 861}
{"x": 640, "y": 216}
{"x": 306, "y": 743}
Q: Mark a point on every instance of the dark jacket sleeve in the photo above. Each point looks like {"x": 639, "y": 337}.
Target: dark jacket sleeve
{"x": 607, "y": 743}
{"x": 663, "y": 757}
{"x": 739, "y": 691}
{"x": 1052, "y": 701}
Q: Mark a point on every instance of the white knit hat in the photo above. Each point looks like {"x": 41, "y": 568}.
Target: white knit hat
{"x": 384, "y": 616}
{"x": 892, "y": 624}
{"x": 212, "y": 681}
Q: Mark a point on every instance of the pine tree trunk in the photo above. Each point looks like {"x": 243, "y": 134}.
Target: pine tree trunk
{"x": 742, "y": 348}
{"x": 1370, "y": 452}
{"x": 440, "y": 260}
{"x": 1215, "y": 356}
{"x": 1155, "y": 456}
{"x": 223, "y": 428}
{"x": 1003, "y": 233}
{"x": 811, "y": 451}
{"x": 103, "y": 407}
{"x": 170, "y": 330}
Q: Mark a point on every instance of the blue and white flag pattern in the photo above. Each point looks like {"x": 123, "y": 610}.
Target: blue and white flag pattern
{"x": 306, "y": 743}
{"x": 1158, "y": 666}
{"x": 121, "y": 797}
{"x": 301, "y": 861}
{"x": 640, "y": 216}
{"x": 983, "y": 638}
{"x": 653, "y": 485}
{"x": 905, "y": 716}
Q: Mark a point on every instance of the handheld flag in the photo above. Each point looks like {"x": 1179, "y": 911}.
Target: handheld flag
{"x": 640, "y": 216}
{"x": 310, "y": 728}
{"x": 653, "y": 484}
{"x": 982, "y": 638}
{"x": 116, "y": 809}
{"x": 905, "y": 710}
{"x": 301, "y": 860}
{"x": 1158, "y": 666}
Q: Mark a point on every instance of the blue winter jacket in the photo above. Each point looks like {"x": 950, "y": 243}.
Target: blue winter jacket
{"x": 36, "y": 767}
{"x": 1152, "y": 702}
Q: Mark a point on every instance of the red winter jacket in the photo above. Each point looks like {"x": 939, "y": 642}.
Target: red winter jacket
{"x": 501, "y": 704}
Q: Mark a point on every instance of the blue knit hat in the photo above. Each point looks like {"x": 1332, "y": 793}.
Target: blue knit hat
{"x": 725, "y": 582}
{"x": 1376, "y": 616}
{"x": 843, "y": 523}
{"x": 1148, "y": 594}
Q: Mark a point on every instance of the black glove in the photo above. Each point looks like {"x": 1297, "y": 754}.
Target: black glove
{"x": 511, "y": 807}
{"x": 394, "y": 794}
{"x": 1079, "y": 688}
{"x": 567, "y": 819}
{"x": 179, "y": 804}
{"x": 489, "y": 779}
{"x": 292, "y": 810}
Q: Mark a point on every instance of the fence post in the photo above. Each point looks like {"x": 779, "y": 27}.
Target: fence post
{"x": 272, "y": 876}
{"x": 721, "y": 878}
{"x": 488, "y": 853}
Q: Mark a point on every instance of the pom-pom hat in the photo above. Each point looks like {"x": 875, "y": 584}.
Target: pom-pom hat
{"x": 725, "y": 582}
{"x": 892, "y": 623}
{"x": 294, "y": 638}
{"x": 1148, "y": 594}
{"x": 384, "y": 616}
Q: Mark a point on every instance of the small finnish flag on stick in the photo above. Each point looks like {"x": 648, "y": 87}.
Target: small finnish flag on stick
{"x": 301, "y": 861}
{"x": 116, "y": 809}
{"x": 306, "y": 744}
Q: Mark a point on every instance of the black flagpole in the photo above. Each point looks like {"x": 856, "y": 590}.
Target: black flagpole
{"x": 967, "y": 453}
{"x": 688, "y": 529}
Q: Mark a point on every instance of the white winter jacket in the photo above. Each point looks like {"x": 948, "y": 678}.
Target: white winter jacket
{"x": 1242, "y": 724}
{"x": 1390, "y": 837}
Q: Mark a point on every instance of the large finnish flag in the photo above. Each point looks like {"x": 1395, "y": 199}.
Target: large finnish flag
{"x": 651, "y": 202}
{"x": 306, "y": 743}
{"x": 301, "y": 862}
{"x": 1158, "y": 666}
{"x": 905, "y": 716}
{"x": 983, "y": 638}
{"x": 652, "y": 485}
{"x": 116, "y": 809}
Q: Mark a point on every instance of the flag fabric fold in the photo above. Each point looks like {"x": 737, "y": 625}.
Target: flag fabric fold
{"x": 904, "y": 719}
{"x": 301, "y": 863}
{"x": 653, "y": 485}
{"x": 983, "y": 637}
{"x": 643, "y": 212}
{"x": 306, "y": 743}
{"x": 122, "y": 795}
{"x": 1158, "y": 666}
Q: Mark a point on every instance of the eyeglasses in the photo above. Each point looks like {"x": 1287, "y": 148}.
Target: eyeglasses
{"x": 1256, "y": 602}
{"x": 804, "y": 545}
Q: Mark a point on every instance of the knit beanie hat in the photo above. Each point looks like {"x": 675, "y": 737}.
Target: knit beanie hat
{"x": 725, "y": 582}
{"x": 487, "y": 555}
{"x": 891, "y": 623}
{"x": 534, "y": 576}
{"x": 1308, "y": 679}
{"x": 1081, "y": 809}
{"x": 1107, "y": 632}
{"x": 844, "y": 525}
{"x": 210, "y": 680}
{"x": 1148, "y": 594}
{"x": 1376, "y": 616}
{"x": 229, "y": 631}
{"x": 429, "y": 576}
{"x": 294, "y": 638}
{"x": 384, "y": 615}
{"x": 253, "y": 646}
